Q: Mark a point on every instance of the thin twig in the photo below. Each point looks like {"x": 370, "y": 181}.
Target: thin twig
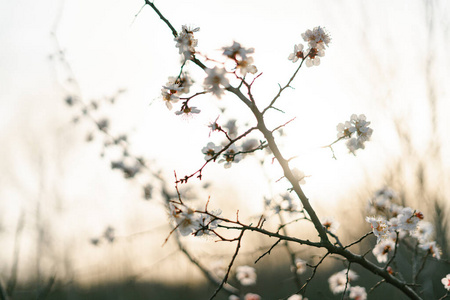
{"x": 268, "y": 251}
{"x": 238, "y": 246}
{"x": 174, "y": 32}
{"x": 347, "y": 280}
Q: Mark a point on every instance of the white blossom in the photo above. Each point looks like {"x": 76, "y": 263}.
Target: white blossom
{"x": 432, "y": 249}
{"x": 446, "y": 282}
{"x": 252, "y": 296}
{"x": 210, "y": 150}
{"x": 245, "y": 66}
{"x": 330, "y": 224}
{"x": 169, "y": 94}
{"x": 408, "y": 219}
{"x": 239, "y": 55}
{"x": 188, "y": 111}
{"x": 358, "y": 293}
{"x": 216, "y": 81}
{"x": 207, "y": 222}
{"x": 236, "y": 50}
{"x": 358, "y": 125}
{"x": 345, "y": 130}
{"x": 382, "y": 250}
{"x": 338, "y": 281}
{"x": 297, "y": 54}
{"x": 316, "y": 38}
{"x": 186, "y": 42}
{"x": 424, "y": 231}
{"x": 379, "y": 226}
{"x": 230, "y": 156}
{"x": 182, "y": 83}
{"x": 300, "y": 266}
{"x": 313, "y": 58}
{"x": 185, "y": 217}
{"x": 296, "y": 297}
{"x": 246, "y": 275}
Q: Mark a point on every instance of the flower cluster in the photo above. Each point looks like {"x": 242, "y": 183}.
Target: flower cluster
{"x": 239, "y": 55}
{"x": 189, "y": 221}
{"x": 186, "y": 42}
{"x": 360, "y": 127}
{"x": 229, "y": 156}
{"x": 175, "y": 87}
{"x": 392, "y": 221}
{"x": 317, "y": 39}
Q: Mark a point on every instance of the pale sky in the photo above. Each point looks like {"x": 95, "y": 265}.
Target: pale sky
{"x": 375, "y": 66}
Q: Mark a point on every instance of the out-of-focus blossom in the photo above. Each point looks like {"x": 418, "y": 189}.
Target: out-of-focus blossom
{"x": 185, "y": 217}
{"x": 250, "y": 144}
{"x": 330, "y": 224}
{"x": 300, "y": 266}
{"x": 246, "y": 275}
{"x": 357, "y": 293}
{"x": 207, "y": 223}
{"x": 409, "y": 218}
{"x": 251, "y": 296}
{"x": 109, "y": 234}
{"x": 424, "y": 231}
{"x": 232, "y": 128}
{"x": 216, "y": 81}
{"x": 432, "y": 249}
{"x": 296, "y": 297}
{"x": 239, "y": 55}
{"x": 338, "y": 281}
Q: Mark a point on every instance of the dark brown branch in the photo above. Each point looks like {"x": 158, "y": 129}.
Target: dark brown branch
{"x": 283, "y": 88}
{"x": 174, "y": 32}
{"x": 238, "y": 246}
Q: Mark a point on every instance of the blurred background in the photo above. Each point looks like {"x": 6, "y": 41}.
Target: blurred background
{"x": 71, "y": 227}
